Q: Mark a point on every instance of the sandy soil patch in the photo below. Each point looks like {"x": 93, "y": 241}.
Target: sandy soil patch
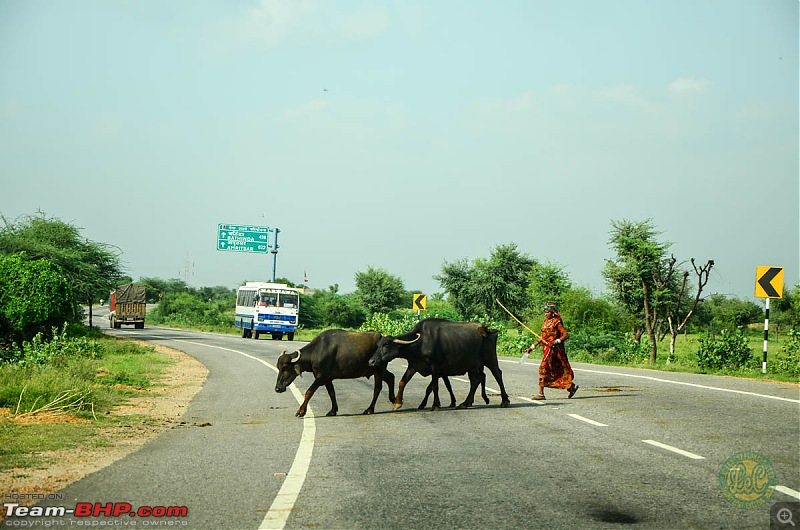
{"x": 165, "y": 404}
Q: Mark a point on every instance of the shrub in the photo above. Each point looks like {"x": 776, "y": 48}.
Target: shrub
{"x": 23, "y": 315}
{"x": 790, "y": 364}
{"x": 396, "y": 324}
{"x": 41, "y": 350}
{"x": 729, "y": 349}
{"x": 511, "y": 342}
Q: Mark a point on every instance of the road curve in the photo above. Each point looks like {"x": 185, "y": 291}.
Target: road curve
{"x": 634, "y": 447}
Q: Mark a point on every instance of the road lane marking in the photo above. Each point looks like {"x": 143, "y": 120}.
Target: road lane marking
{"x": 675, "y": 450}
{"x": 788, "y": 491}
{"x": 587, "y": 420}
{"x": 706, "y": 387}
{"x": 488, "y": 389}
{"x": 658, "y": 379}
{"x": 284, "y": 501}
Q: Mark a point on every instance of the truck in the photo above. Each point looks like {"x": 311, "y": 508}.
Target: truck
{"x": 127, "y": 305}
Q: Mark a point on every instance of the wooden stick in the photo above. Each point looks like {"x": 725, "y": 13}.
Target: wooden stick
{"x": 518, "y": 320}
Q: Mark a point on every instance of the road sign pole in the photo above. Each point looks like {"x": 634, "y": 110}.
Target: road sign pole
{"x": 766, "y": 335}
{"x": 274, "y": 252}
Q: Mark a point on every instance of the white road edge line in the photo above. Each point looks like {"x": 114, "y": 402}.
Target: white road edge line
{"x": 675, "y": 450}
{"x": 744, "y": 392}
{"x": 587, "y": 420}
{"x": 788, "y": 491}
{"x": 282, "y": 506}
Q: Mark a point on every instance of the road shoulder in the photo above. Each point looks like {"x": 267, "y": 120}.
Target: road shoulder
{"x": 164, "y": 405}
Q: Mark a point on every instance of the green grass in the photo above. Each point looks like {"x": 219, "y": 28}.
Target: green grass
{"x": 88, "y": 388}
{"x": 20, "y": 444}
{"x": 686, "y": 358}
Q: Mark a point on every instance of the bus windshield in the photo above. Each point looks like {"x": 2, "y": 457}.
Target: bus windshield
{"x": 277, "y": 298}
{"x": 288, "y": 299}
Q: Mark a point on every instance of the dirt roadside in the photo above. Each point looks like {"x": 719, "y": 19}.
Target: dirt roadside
{"x": 164, "y": 404}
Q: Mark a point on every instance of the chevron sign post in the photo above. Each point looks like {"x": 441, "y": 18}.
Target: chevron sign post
{"x": 769, "y": 284}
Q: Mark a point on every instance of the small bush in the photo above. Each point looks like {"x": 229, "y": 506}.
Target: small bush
{"x": 511, "y": 342}
{"x": 729, "y": 349}
{"x": 56, "y": 350}
{"x": 790, "y": 364}
{"x": 385, "y": 324}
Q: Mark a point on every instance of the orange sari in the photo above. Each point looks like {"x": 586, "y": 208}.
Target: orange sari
{"x": 554, "y": 371}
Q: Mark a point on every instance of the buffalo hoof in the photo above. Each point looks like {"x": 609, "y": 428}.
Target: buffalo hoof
{"x": 397, "y": 406}
{"x": 369, "y": 411}
{"x": 436, "y": 407}
{"x": 465, "y": 405}
{"x": 331, "y": 413}
{"x": 452, "y": 405}
{"x": 505, "y": 404}
{"x": 300, "y": 413}
{"x": 486, "y": 400}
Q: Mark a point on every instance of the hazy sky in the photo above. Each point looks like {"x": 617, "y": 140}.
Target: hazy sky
{"x": 403, "y": 134}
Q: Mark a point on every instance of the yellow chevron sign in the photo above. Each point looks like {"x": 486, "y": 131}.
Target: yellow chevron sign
{"x": 419, "y": 302}
{"x": 769, "y": 282}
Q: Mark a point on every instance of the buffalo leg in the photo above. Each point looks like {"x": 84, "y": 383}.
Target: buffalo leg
{"x": 450, "y": 390}
{"x": 375, "y": 393}
{"x": 483, "y": 388}
{"x": 388, "y": 378}
{"x": 332, "y": 394}
{"x": 309, "y": 393}
{"x": 398, "y": 400}
{"x": 430, "y": 389}
{"x": 498, "y": 376}
{"x": 437, "y": 405}
{"x": 474, "y": 381}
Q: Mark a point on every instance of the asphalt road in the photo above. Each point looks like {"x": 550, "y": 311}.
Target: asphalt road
{"x": 635, "y": 448}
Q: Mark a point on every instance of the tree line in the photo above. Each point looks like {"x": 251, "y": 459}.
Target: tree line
{"x": 650, "y": 292}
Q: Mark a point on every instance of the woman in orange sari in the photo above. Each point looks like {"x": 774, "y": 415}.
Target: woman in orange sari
{"x": 554, "y": 371}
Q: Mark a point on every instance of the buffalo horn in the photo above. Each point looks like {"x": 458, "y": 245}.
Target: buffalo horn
{"x": 296, "y": 358}
{"x": 398, "y": 341}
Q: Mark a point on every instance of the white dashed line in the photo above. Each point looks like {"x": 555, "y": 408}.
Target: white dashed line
{"x": 587, "y": 420}
{"x": 674, "y": 450}
{"x": 788, "y": 491}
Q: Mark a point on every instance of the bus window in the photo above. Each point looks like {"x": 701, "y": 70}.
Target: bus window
{"x": 288, "y": 300}
{"x": 269, "y": 299}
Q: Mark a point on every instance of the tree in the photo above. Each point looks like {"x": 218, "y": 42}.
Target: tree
{"x": 91, "y": 269}
{"x": 326, "y": 307}
{"x": 380, "y": 291}
{"x": 474, "y": 289}
{"x": 718, "y": 312}
{"x": 547, "y": 282}
{"x": 34, "y": 298}
{"x": 455, "y": 280}
{"x": 677, "y": 301}
{"x": 504, "y": 276}
{"x": 787, "y": 309}
{"x": 632, "y": 278}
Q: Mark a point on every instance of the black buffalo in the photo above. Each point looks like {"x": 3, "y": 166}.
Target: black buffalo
{"x": 439, "y": 348}
{"x": 335, "y": 354}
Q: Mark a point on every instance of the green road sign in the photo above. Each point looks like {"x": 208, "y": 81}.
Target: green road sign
{"x": 243, "y": 238}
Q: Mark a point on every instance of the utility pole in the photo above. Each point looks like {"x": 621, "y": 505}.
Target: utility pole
{"x": 274, "y": 252}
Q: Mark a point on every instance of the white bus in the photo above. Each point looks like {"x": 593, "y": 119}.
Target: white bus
{"x": 263, "y": 307}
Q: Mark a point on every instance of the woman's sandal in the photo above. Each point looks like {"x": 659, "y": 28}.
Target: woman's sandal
{"x": 573, "y": 390}
{"x": 539, "y": 397}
